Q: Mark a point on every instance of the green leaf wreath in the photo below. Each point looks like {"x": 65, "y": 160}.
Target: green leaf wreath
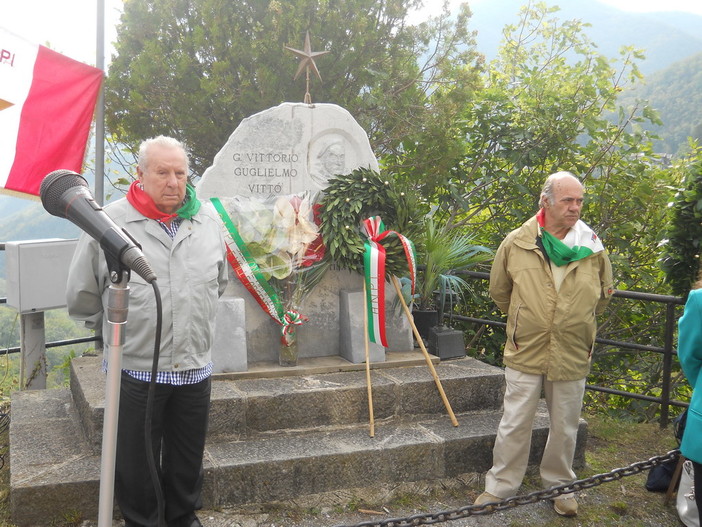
{"x": 352, "y": 198}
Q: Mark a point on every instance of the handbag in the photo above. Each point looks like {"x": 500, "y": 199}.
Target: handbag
{"x": 685, "y": 501}
{"x": 660, "y": 476}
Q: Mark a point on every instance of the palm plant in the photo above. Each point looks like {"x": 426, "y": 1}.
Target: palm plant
{"x": 443, "y": 252}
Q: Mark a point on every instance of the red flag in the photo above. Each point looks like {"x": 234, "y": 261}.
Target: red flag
{"x": 47, "y": 101}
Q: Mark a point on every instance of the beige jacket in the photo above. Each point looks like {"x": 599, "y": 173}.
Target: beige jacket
{"x": 548, "y": 332}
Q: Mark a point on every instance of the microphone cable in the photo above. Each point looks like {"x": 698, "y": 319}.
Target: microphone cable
{"x": 150, "y": 410}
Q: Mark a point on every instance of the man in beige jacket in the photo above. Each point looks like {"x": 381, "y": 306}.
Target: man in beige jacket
{"x": 551, "y": 276}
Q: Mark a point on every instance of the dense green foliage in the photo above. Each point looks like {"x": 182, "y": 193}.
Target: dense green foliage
{"x": 196, "y": 68}
{"x": 471, "y": 142}
{"x": 542, "y": 109}
{"x": 681, "y": 250}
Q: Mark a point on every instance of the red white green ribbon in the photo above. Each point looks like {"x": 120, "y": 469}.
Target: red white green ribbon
{"x": 291, "y": 319}
{"x": 374, "y": 274}
{"x": 250, "y": 275}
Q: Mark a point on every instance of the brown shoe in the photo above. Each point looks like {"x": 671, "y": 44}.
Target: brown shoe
{"x": 566, "y": 506}
{"x": 486, "y": 497}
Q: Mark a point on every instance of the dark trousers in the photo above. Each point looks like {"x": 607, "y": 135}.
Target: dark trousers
{"x": 179, "y": 426}
{"x": 698, "y": 486}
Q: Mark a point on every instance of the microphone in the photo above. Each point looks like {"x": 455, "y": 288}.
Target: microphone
{"x": 66, "y": 194}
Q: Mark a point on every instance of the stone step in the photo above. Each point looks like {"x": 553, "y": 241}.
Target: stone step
{"x": 265, "y": 454}
{"x": 285, "y": 465}
{"x": 245, "y": 405}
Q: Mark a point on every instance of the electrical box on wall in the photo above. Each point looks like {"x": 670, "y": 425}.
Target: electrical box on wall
{"x": 37, "y": 271}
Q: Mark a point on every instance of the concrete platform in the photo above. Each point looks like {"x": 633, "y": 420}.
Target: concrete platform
{"x": 275, "y": 436}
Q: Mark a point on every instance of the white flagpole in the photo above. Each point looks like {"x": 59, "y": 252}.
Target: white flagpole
{"x": 100, "y": 111}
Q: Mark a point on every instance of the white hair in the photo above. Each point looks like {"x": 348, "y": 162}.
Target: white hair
{"x": 160, "y": 140}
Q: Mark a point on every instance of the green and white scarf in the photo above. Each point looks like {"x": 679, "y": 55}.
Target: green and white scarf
{"x": 580, "y": 242}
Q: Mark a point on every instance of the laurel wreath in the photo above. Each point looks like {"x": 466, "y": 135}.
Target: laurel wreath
{"x": 349, "y": 200}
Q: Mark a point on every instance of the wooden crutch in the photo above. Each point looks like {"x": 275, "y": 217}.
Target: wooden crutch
{"x": 417, "y": 336}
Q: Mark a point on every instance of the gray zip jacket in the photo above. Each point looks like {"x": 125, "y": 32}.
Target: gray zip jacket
{"x": 191, "y": 273}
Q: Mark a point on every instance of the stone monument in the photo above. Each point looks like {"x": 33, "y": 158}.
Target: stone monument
{"x": 292, "y": 149}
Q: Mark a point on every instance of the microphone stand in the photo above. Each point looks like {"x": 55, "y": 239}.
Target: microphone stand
{"x": 117, "y": 307}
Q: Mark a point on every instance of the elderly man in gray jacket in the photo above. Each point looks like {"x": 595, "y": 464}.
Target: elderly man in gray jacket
{"x": 182, "y": 240}
{"x": 551, "y": 276}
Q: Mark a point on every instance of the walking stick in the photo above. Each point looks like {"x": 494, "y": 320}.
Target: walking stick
{"x": 424, "y": 351}
{"x": 371, "y": 432}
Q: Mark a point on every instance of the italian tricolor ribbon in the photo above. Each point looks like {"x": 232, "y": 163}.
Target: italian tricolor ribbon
{"x": 374, "y": 274}
{"x": 290, "y": 320}
{"x": 250, "y": 275}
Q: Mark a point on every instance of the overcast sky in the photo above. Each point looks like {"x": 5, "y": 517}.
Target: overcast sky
{"x": 69, "y": 26}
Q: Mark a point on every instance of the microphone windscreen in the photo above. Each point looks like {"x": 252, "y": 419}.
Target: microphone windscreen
{"x": 53, "y": 187}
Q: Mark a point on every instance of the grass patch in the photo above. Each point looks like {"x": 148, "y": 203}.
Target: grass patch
{"x": 615, "y": 443}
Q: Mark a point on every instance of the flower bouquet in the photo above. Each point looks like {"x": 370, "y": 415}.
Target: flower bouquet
{"x": 275, "y": 247}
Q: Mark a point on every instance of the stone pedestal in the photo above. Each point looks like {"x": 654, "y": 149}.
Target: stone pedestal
{"x": 352, "y": 339}
{"x": 229, "y": 347}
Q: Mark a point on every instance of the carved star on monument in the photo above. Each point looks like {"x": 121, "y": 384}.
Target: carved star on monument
{"x": 307, "y": 62}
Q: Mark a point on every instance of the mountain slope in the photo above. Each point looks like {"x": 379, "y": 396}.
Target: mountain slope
{"x": 676, "y": 93}
{"x": 666, "y": 37}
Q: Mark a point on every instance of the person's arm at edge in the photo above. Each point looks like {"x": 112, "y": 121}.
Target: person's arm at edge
{"x": 83, "y": 288}
{"x": 606, "y": 283}
{"x": 690, "y": 338}
{"x": 500, "y": 280}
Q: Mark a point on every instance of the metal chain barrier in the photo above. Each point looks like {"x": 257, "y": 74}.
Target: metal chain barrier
{"x": 515, "y": 501}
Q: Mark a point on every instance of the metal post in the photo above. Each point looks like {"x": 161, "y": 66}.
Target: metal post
{"x": 667, "y": 362}
{"x": 33, "y": 351}
{"x": 117, "y": 307}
